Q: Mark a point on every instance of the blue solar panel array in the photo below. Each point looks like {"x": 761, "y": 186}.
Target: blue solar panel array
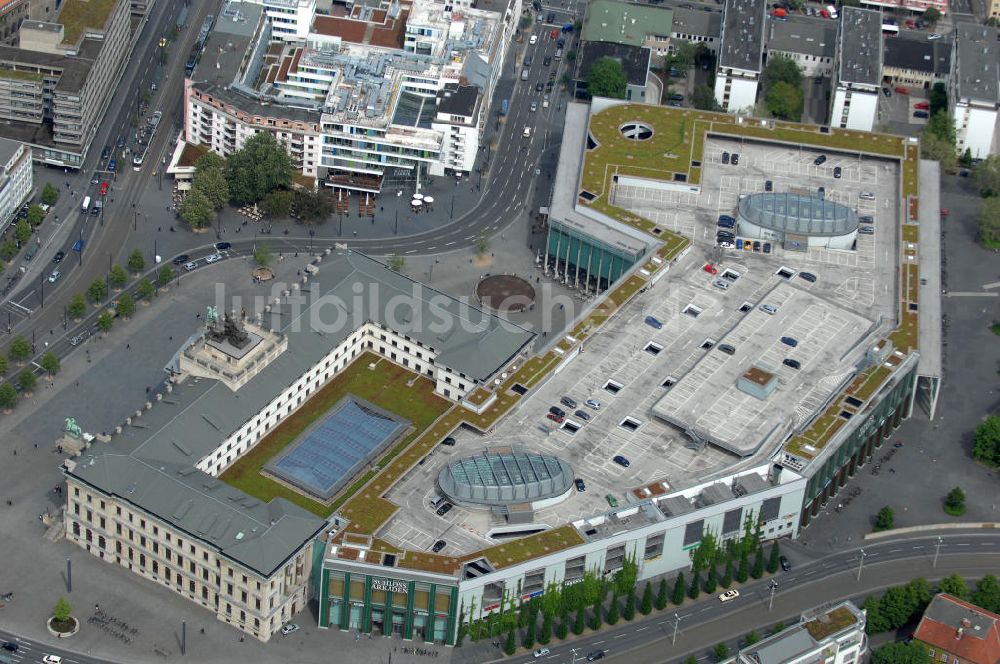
{"x": 335, "y": 448}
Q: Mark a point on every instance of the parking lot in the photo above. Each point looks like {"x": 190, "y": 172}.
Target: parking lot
{"x": 631, "y": 365}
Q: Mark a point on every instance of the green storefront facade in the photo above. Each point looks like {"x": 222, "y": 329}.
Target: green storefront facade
{"x": 403, "y": 605}
{"x": 581, "y": 258}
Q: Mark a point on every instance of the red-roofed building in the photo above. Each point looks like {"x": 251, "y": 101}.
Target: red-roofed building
{"x": 958, "y": 632}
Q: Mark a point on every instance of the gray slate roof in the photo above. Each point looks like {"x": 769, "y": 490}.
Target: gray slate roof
{"x": 932, "y": 57}
{"x": 152, "y": 467}
{"x": 697, "y": 22}
{"x": 978, "y": 62}
{"x": 743, "y": 34}
{"x": 860, "y": 46}
{"x": 818, "y": 38}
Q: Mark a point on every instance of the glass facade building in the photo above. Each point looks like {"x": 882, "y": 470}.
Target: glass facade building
{"x": 586, "y": 260}
{"x": 388, "y": 606}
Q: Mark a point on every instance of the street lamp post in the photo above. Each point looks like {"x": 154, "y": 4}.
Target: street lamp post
{"x": 573, "y": 650}
{"x": 772, "y": 585}
{"x": 937, "y": 551}
{"x": 861, "y": 563}
{"x": 677, "y": 622}
{"x": 395, "y": 228}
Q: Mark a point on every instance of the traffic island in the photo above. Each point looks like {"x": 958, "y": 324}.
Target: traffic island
{"x": 62, "y": 624}
{"x": 505, "y": 293}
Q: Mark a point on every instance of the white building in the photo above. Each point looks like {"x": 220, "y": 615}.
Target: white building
{"x": 741, "y": 53}
{"x": 857, "y": 70}
{"x": 16, "y": 179}
{"x": 975, "y": 88}
{"x": 811, "y": 44}
{"x": 827, "y": 635}
{"x": 291, "y": 19}
{"x": 458, "y": 115}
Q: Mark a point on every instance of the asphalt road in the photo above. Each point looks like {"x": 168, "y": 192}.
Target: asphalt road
{"x": 832, "y": 578}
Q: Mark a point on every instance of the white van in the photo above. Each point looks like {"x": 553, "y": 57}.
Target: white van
{"x": 436, "y": 500}
{"x": 85, "y": 205}
{"x": 526, "y": 133}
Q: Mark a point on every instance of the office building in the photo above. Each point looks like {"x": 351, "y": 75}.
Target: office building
{"x": 974, "y": 93}
{"x": 16, "y": 179}
{"x": 56, "y": 85}
{"x": 741, "y": 55}
{"x": 857, "y": 70}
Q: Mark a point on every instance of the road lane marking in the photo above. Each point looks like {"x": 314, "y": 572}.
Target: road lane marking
{"x": 618, "y": 636}
{"x": 597, "y": 643}
{"x": 639, "y": 629}
{"x": 894, "y": 550}
{"x": 448, "y": 244}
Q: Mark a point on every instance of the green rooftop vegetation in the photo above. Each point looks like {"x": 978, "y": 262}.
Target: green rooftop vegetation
{"x": 911, "y": 233}
{"x": 904, "y": 337}
{"x": 78, "y": 16}
{"x": 830, "y": 623}
{"x": 533, "y": 546}
{"x": 18, "y": 75}
{"x": 872, "y": 378}
{"x": 386, "y": 387}
{"x": 912, "y": 276}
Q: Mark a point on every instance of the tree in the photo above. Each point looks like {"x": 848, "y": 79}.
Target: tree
{"x": 529, "y": 636}
{"x": 936, "y": 148}
{"x": 35, "y": 215}
{"x": 4, "y": 368}
{"x": 629, "y": 613}
{"x": 545, "y": 635}
{"x": 22, "y": 231}
{"x": 62, "y": 610}
{"x": 661, "y": 596}
{"x": 876, "y": 621}
{"x": 683, "y": 55}
{"x": 727, "y": 576}
{"x": 954, "y": 502}
{"x": 938, "y": 98}
{"x": 125, "y": 306}
{"x": 913, "y": 652}
{"x": 678, "y": 595}
{"x": 711, "y": 579}
{"x": 98, "y": 290}
{"x": 774, "y": 559}
{"x": 312, "y": 206}
{"x": 27, "y": 380}
{"x": 966, "y": 158}
{"x": 885, "y": 519}
{"x": 511, "y": 646}
{"x": 136, "y": 261}
{"x": 50, "y": 194}
{"x": 694, "y": 589}
{"x": 396, "y": 263}
{"x": 784, "y": 101}
{"x": 752, "y": 637}
{"x": 118, "y": 276}
{"x": 50, "y": 364}
{"x": 20, "y": 349}
{"x": 757, "y": 570}
{"x": 778, "y": 627}
{"x": 781, "y": 69}
{"x": 145, "y": 289}
{"x": 955, "y": 586}
{"x": 614, "y": 611}
{"x": 210, "y": 161}
{"x": 989, "y": 224}
{"x": 607, "y": 78}
{"x": 8, "y": 396}
{"x": 987, "y": 594}
{"x": 262, "y": 255}
{"x": 8, "y": 249}
{"x": 646, "y": 607}
{"x": 932, "y": 15}
{"x": 165, "y": 275}
{"x": 197, "y": 210}
{"x": 105, "y": 321}
{"x": 703, "y": 98}
{"x": 720, "y": 651}
{"x": 743, "y": 571}
{"x": 580, "y": 623}
{"x": 77, "y": 306}
{"x": 596, "y": 617}
{"x": 212, "y": 183}
{"x": 986, "y": 175}
{"x": 278, "y": 204}
{"x": 562, "y": 630}
{"x": 260, "y": 167}
{"x": 482, "y": 244}
{"x": 941, "y": 125}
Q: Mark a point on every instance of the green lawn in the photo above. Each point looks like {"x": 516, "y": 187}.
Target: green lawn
{"x": 80, "y": 15}
{"x": 385, "y": 386}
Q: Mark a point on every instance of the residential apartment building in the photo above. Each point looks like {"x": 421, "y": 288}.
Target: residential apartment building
{"x": 12, "y": 12}
{"x": 628, "y": 24}
{"x": 290, "y": 19}
{"x": 827, "y": 635}
{"x": 916, "y": 63}
{"x": 958, "y": 631}
{"x": 56, "y": 85}
{"x": 993, "y": 9}
{"x": 974, "y": 94}
{"x": 857, "y": 69}
{"x": 355, "y": 100}
{"x": 697, "y": 27}
{"x": 811, "y": 44}
{"x": 908, "y": 5}
{"x": 16, "y": 179}
{"x": 741, "y": 56}
{"x": 635, "y": 60}
{"x": 457, "y": 116}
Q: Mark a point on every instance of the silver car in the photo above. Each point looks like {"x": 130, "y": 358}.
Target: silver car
{"x": 769, "y": 309}
{"x": 721, "y": 284}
